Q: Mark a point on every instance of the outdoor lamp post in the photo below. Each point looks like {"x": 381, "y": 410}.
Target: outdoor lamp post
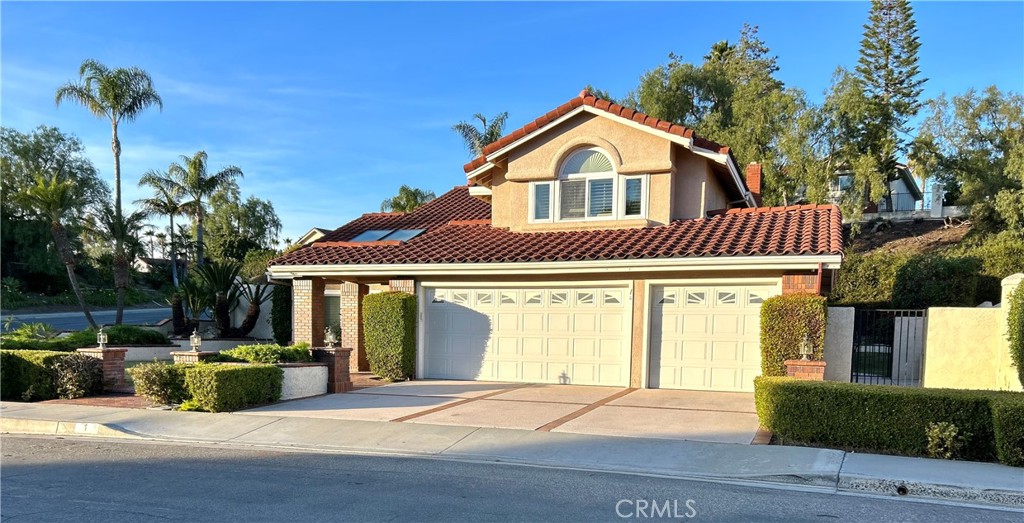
{"x": 101, "y": 339}
{"x": 195, "y": 340}
{"x": 806, "y": 349}
{"x": 329, "y": 337}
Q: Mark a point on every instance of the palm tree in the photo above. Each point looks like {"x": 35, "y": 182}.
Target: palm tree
{"x": 161, "y": 241}
{"x": 407, "y": 200}
{"x": 119, "y": 94}
{"x": 476, "y": 139}
{"x": 122, "y": 232}
{"x": 57, "y": 200}
{"x": 166, "y": 201}
{"x": 193, "y": 180}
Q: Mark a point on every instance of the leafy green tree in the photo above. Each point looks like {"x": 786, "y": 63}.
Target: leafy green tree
{"x": 194, "y": 181}
{"x": 407, "y": 200}
{"x": 234, "y": 227}
{"x": 477, "y": 138}
{"x": 24, "y": 239}
{"x": 166, "y": 201}
{"x": 56, "y": 199}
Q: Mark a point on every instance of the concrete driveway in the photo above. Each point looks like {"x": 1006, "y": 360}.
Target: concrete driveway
{"x": 725, "y": 417}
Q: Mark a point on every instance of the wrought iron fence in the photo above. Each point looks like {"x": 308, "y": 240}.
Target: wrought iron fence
{"x": 888, "y": 346}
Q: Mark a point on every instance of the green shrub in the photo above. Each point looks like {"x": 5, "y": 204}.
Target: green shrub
{"x": 281, "y": 314}
{"x": 878, "y": 418}
{"x": 21, "y": 339}
{"x": 1008, "y": 423}
{"x": 867, "y": 280}
{"x": 1015, "y": 329}
{"x": 161, "y": 383}
{"x": 220, "y": 387}
{"x": 77, "y": 376}
{"x": 945, "y": 441}
{"x": 1001, "y": 255}
{"x": 785, "y": 321}
{"x": 28, "y": 375}
{"x": 270, "y": 353}
{"x": 936, "y": 281}
{"x": 389, "y": 327}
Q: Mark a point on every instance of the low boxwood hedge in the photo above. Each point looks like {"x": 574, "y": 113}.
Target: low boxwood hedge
{"x": 30, "y": 375}
{"x": 785, "y": 321}
{"x": 389, "y": 327}
{"x": 219, "y": 387}
{"x": 161, "y": 383}
{"x": 893, "y": 420}
{"x": 269, "y": 353}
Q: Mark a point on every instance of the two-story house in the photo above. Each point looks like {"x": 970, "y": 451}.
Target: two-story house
{"x": 595, "y": 245}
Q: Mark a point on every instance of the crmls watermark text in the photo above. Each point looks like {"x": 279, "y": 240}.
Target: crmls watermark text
{"x": 653, "y": 508}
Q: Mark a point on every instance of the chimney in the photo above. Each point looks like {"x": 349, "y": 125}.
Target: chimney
{"x": 754, "y": 179}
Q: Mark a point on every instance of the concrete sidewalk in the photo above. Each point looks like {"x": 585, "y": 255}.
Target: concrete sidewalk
{"x": 809, "y": 467}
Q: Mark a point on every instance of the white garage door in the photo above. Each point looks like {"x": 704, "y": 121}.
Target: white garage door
{"x": 572, "y": 335}
{"x": 706, "y": 337}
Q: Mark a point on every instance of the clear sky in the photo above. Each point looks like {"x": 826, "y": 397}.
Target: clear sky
{"x": 329, "y": 107}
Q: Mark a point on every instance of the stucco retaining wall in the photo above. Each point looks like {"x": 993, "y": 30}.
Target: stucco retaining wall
{"x": 302, "y": 380}
{"x": 838, "y": 350}
{"x": 149, "y": 353}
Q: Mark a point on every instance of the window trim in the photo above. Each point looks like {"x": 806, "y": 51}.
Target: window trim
{"x": 533, "y": 202}
{"x": 618, "y": 195}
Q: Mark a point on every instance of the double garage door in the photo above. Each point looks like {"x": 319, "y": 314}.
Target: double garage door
{"x": 701, "y": 337}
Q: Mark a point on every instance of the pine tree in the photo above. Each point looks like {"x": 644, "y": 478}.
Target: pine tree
{"x": 889, "y": 72}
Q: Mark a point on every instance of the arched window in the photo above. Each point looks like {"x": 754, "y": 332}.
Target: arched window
{"x": 587, "y": 188}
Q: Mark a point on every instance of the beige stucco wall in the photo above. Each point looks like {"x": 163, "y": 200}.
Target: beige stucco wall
{"x": 838, "y": 349}
{"x": 678, "y": 181}
{"x": 961, "y": 348}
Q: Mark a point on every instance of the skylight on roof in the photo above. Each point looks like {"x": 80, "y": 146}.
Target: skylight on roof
{"x": 403, "y": 234}
{"x": 372, "y": 235}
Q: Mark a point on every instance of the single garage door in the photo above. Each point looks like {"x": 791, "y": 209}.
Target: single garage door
{"x": 706, "y": 337}
{"x": 570, "y": 335}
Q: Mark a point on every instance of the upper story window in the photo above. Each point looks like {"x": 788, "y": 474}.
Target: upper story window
{"x": 588, "y": 189}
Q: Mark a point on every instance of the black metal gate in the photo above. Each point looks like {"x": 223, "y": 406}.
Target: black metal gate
{"x": 888, "y": 346}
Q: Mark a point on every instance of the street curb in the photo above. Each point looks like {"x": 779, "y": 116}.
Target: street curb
{"x": 63, "y": 428}
{"x": 918, "y": 490}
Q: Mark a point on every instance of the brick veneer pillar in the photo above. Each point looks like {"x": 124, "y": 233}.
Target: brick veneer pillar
{"x": 806, "y": 370}
{"x": 308, "y": 311}
{"x": 337, "y": 360}
{"x": 352, "y": 324}
{"x": 799, "y": 283}
{"x": 403, "y": 285}
{"x": 113, "y": 367}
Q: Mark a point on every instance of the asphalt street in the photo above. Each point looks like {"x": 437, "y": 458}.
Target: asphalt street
{"x": 76, "y": 320}
{"x": 82, "y": 480}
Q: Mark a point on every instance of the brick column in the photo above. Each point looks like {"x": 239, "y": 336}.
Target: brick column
{"x": 403, "y": 285}
{"x": 308, "y": 311}
{"x": 352, "y": 324}
{"x": 806, "y": 370}
{"x": 337, "y": 360}
{"x": 113, "y": 367}
{"x": 799, "y": 283}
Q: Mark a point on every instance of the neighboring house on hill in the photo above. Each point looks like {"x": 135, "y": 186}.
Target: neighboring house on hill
{"x": 904, "y": 196}
{"x": 146, "y": 264}
{"x": 595, "y": 246}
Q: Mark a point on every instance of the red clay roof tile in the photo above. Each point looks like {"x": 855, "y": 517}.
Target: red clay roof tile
{"x": 458, "y": 230}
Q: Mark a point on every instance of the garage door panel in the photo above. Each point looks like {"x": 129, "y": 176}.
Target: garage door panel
{"x": 706, "y": 337}
{"x": 550, "y": 335}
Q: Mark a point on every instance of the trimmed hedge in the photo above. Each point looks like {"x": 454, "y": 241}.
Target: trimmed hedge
{"x": 894, "y": 420}
{"x": 270, "y": 353}
{"x": 162, "y": 383}
{"x": 867, "y": 280}
{"x": 785, "y": 321}
{"x": 1015, "y": 329}
{"x": 936, "y": 281}
{"x": 224, "y": 387}
{"x": 29, "y": 375}
{"x": 116, "y": 335}
{"x": 389, "y": 327}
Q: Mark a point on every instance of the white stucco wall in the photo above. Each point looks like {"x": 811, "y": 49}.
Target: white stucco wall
{"x": 303, "y": 380}
{"x": 158, "y": 352}
{"x": 838, "y": 351}
{"x": 263, "y": 330}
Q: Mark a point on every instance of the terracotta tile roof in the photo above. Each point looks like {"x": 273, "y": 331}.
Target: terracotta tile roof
{"x": 459, "y": 231}
{"x": 585, "y": 98}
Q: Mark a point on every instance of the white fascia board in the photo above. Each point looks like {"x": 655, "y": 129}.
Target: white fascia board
{"x": 709, "y": 263}
{"x": 479, "y": 190}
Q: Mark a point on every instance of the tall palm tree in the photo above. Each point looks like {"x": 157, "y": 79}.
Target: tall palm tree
{"x": 194, "y": 181}
{"x": 122, "y": 233}
{"x": 489, "y": 132}
{"x": 119, "y": 95}
{"x": 166, "y": 201}
{"x": 407, "y": 200}
{"x": 56, "y": 199}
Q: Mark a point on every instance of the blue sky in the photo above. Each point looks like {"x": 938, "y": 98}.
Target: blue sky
{"x": 329, "y": 107}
